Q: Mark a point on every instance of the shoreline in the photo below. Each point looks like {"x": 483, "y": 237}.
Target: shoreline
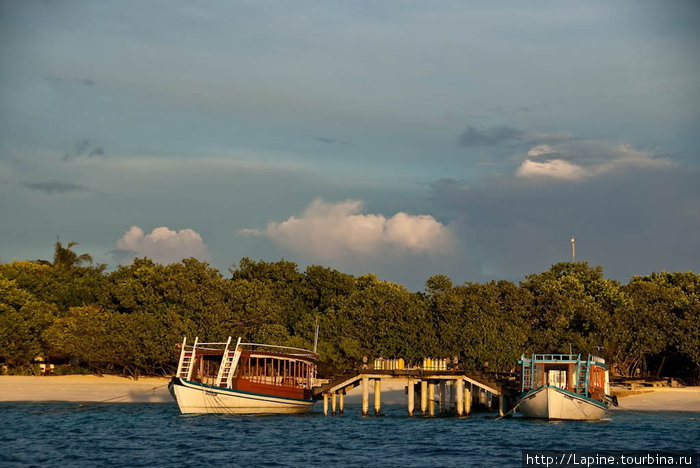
{"x": 116, "y": 389}
{"x": 84, "y": 388}
{"x": 686, "y": 399}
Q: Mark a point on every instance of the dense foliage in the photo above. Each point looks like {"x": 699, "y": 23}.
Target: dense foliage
{"x": 131, "y": 319}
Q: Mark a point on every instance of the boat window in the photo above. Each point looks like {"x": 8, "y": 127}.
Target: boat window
{"x": 277, "y": 371}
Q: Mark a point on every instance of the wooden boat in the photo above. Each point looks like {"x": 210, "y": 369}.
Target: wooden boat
{"x": 248, "y": 378}
{"x": 564, "y": 386}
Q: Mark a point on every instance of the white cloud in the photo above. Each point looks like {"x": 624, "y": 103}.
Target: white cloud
{"x": 577, "y": 159}
{"x": 162, "y": 245}
{"x": 334, "y": 230}
{"x": 555, "y": 168}
{"x": 540, "y": 150}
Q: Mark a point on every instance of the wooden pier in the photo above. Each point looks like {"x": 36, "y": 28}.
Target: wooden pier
{"x": 458, "y": 391}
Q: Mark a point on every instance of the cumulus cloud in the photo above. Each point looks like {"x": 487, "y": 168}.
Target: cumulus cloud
{"x": 333, "y": 230}
{"x": 555, "y": 168}
{"x": 539, "y": 150}
{"x": 162, "y": 245}
{"x": 577, "y": 159}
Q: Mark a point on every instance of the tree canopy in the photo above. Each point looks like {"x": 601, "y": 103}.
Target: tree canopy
{"x": 130, "y": 320}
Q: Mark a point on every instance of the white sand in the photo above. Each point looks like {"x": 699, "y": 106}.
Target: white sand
{"x": 91, "y": 388}
{"x": 661, "y": 399}
{"x": 84, "y": 388}
{"x": 393, "y": 393}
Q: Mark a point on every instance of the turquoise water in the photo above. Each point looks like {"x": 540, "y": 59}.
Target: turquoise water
{"x": 126, "y": 435}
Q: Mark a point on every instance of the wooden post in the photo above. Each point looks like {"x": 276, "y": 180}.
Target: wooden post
{"x": 467, "y": 399}
{"x": 325, "y": 403}
{"x": 453, "y": 395}
{"x": 443, "y": 396}
{"x": 365, "y": 396}
{"x": 377, "y": 396}
{"x": 431, "y": 398}
{"x": 423, "y": 397}
{"x": 459, "y": 391}
{"x": 501, "y": 405}
{"x": 411, "y": 397}
{"x": 333, "y": 403}
{"x": 341, "y": 397}
{"x": 482, "y": 396}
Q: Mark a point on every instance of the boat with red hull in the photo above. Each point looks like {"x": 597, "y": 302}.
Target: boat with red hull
{"x": 248, "y": 378}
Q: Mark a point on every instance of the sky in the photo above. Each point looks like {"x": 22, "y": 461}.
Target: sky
{"x": 400, "y": 138}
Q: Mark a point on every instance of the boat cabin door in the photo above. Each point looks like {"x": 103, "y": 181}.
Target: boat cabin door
{"x": 556, "y": 378}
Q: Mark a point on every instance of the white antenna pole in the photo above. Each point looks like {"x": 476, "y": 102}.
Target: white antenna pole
{"x": 573, "y": 251}
{"x": 316, "y": 336}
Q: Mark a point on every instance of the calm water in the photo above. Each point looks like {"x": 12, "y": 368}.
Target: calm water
{"x": 63, "y": 434}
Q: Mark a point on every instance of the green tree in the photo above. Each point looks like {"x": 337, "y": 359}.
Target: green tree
{"x": 23, "y": 321}
{"x": 572, "y": 307}
{"x": 64, "y": 257}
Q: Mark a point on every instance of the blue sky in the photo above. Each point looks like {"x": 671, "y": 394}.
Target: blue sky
{"x": 400, "y": 138}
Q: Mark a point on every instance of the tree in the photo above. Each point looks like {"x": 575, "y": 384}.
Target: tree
{"x": 480, "y": 322}
{"x": 64, "y": 257}
{"x": 572, "y": 307}
{"x": 23, "y": 321}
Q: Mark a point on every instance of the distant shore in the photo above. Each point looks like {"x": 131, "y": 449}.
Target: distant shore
{"x": 115, "y": 389}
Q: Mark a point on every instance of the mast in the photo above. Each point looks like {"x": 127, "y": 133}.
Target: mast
{"x": 316, "y": 336}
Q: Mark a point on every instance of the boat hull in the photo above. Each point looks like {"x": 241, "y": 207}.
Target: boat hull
{"x": 548, "y": 402}
{"x": 195, "y": 398}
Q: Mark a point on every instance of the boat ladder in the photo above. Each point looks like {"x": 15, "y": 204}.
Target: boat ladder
{"x": 187, "y": 355}
{"x": 582, "y": 368}
{"x": 527, "y": 374}
{"x": 229, "y": 362}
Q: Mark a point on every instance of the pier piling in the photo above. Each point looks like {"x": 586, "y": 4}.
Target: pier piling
{"x": 377, "y": 396}
{"x": 365, "y": 396}
{"x": 459, "y": 393}
{"x": 467, "y": 399}
{"x": 333, "y": 403}
{"x": 431, "y": 398}
{"x": 410, "y": 390}
{"x": 423, "y": 397}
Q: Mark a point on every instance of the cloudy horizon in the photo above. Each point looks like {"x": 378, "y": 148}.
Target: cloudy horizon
{"x": 401, "y": 139}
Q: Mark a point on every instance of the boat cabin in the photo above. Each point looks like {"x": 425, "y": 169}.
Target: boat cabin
{"x": 570, "y": 372}
{"x": 250, "y": 367}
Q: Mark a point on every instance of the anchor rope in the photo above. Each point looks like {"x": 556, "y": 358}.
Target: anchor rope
{"x": 94, "y": 404}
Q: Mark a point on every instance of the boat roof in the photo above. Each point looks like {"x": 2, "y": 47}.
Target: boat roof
{"x": 562, "y": 358}
{"x": 257, "y": 349}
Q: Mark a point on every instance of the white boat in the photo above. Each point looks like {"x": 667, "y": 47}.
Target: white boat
{"x": 564, "y": 386}
{"x": 248, "y": 378}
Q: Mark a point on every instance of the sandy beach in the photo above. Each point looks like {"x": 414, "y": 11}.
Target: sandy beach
{"x": 84, "y": 388}
{"x": 114, "y": 389}
{"x": 660, "y": 399}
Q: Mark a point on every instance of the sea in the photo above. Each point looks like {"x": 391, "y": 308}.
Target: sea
{"x": 157, "y": 435}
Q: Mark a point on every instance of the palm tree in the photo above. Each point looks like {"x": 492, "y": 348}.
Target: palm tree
{"x": 65, "y": 257}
